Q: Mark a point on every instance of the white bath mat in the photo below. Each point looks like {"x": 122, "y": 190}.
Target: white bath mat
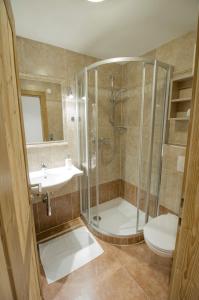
{"x": 68, "y": 252}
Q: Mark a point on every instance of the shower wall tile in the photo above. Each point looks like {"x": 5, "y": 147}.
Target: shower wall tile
{"x": 114, "y": 191}
{"x": 129, "y": 192}
{"x": 109, "y": 154}
{"x": 104, "y": 192}
{"x": 178, "y": 53}
{"x": 118, "y": 162}
{"x": 93, "y": 196}
{"x": 104, "y": 75}
{"x": 107, "y": 191}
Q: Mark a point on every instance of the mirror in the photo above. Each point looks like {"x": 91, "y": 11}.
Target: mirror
{"x": 42, "y": 110}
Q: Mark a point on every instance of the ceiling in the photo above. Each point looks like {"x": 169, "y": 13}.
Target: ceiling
{"x": 108, "y": 29}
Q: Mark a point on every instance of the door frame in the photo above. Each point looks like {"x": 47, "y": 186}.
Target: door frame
{"x": 184, "y": 283}
{"x": 10, "y": 16}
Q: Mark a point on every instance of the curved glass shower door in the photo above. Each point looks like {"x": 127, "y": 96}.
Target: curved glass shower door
{"x": 122, "y": 111}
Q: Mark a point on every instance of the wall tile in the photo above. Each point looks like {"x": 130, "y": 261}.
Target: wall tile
{"x": 46, "y": 222}
{"x": 119, "y": 160}
{"x": 75, "y": 199}
{"x": 64, "y": 211}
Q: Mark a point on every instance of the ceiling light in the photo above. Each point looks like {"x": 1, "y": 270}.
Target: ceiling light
{"x": 95, "y": 0}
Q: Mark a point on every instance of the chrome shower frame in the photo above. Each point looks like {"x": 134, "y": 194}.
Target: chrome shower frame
{"x": 144, "y": 61}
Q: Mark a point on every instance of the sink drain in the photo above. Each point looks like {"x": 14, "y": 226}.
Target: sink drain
{"x": 97, "y": 218}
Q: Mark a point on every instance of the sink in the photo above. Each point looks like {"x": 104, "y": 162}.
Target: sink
{"x": 53, "y": 179}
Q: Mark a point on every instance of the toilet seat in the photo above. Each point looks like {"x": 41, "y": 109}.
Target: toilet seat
{"x": 158, "y": 251}
{"x": 160, "y": 234}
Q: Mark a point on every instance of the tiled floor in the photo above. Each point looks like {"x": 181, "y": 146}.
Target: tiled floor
{"x": 120, "y": 273}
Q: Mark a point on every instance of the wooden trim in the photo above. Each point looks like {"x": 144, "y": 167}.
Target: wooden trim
{"x": 6, "y": 290}
{"x": 185, "y": 270}
{"x": 43, "y": 106}
{"x": 12, "y": 25}
{"x": 7, "y": 259}
{"x": 10, "y": 14}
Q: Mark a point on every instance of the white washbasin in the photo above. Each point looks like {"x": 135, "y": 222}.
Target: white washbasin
{"x": 53, "y": 179}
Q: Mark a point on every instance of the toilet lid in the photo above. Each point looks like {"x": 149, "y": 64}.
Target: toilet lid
{"x": 161, "y": 232}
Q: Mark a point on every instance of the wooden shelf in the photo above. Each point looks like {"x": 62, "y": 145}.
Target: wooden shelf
{"x": 179, "y": 119}
{"x": 176, "y": 144}
{"x": 181, "y": 100}
{"x": 179, "y": 109}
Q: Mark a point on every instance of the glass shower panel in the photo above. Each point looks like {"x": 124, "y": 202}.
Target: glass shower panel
{"x": 151, "y": 136}
{"x": 144, "y": 139}
{"x": 109, "y": 93}
{"x": 92, "y": 92}
{"x": 158, "y": 140}
{"x": 82, "y": 134}
{"x": 121, "y": 116}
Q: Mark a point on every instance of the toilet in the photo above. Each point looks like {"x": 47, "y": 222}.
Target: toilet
{"x": 160, "y": 234}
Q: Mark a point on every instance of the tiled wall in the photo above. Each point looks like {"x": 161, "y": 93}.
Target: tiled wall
{"x": 61, "y": 64}
{"x": 64, "y": 208}
{"x": 52, "y": 154}
{"x": 118, "y": 161}
{"x": 109, "y": 154}
{"x": 171, "y": 182}
{"x": 50, "y": 63}
{"x": 178, "y": 53}
{"x": 67, "y": 207}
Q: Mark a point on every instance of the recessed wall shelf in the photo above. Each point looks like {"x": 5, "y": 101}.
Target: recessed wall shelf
{"x": 179, "y": 108}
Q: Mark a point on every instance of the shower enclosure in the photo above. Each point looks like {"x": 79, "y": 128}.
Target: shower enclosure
{"x": 122, "y": 108}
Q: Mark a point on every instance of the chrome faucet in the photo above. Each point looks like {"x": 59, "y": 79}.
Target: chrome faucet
{"x": 43, "y": 165}
{"x": 44, "y": 168}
